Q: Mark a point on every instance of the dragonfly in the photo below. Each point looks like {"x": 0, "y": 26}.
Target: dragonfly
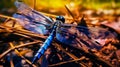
{"x": 69, "y": 34}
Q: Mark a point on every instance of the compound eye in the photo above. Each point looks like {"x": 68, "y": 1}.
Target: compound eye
{"x": 61, "y": 18}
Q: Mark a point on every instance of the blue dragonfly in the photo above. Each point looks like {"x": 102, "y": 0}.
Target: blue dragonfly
{"x": 69, "y": 34}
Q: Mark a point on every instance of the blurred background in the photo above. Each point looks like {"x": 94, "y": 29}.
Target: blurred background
{"x": 94, "y": 10}
{"x": 58, "y": 6}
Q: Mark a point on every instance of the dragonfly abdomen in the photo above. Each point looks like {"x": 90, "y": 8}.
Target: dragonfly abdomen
{"x": 46, "y": 44}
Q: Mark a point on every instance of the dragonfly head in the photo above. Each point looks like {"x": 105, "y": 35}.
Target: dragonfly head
{"x": 61, "y": 18}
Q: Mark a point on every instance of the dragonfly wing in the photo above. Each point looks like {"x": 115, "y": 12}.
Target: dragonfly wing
{"x": 76, "y": 36}
{"x": 31, "y": 19}
{"x": 72, "y": 36}
{"x": 102, "y": 33}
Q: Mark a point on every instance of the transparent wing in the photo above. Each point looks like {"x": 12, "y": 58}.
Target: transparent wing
{"x": 31, "y": 19}
{"x": 83, "y": 36}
